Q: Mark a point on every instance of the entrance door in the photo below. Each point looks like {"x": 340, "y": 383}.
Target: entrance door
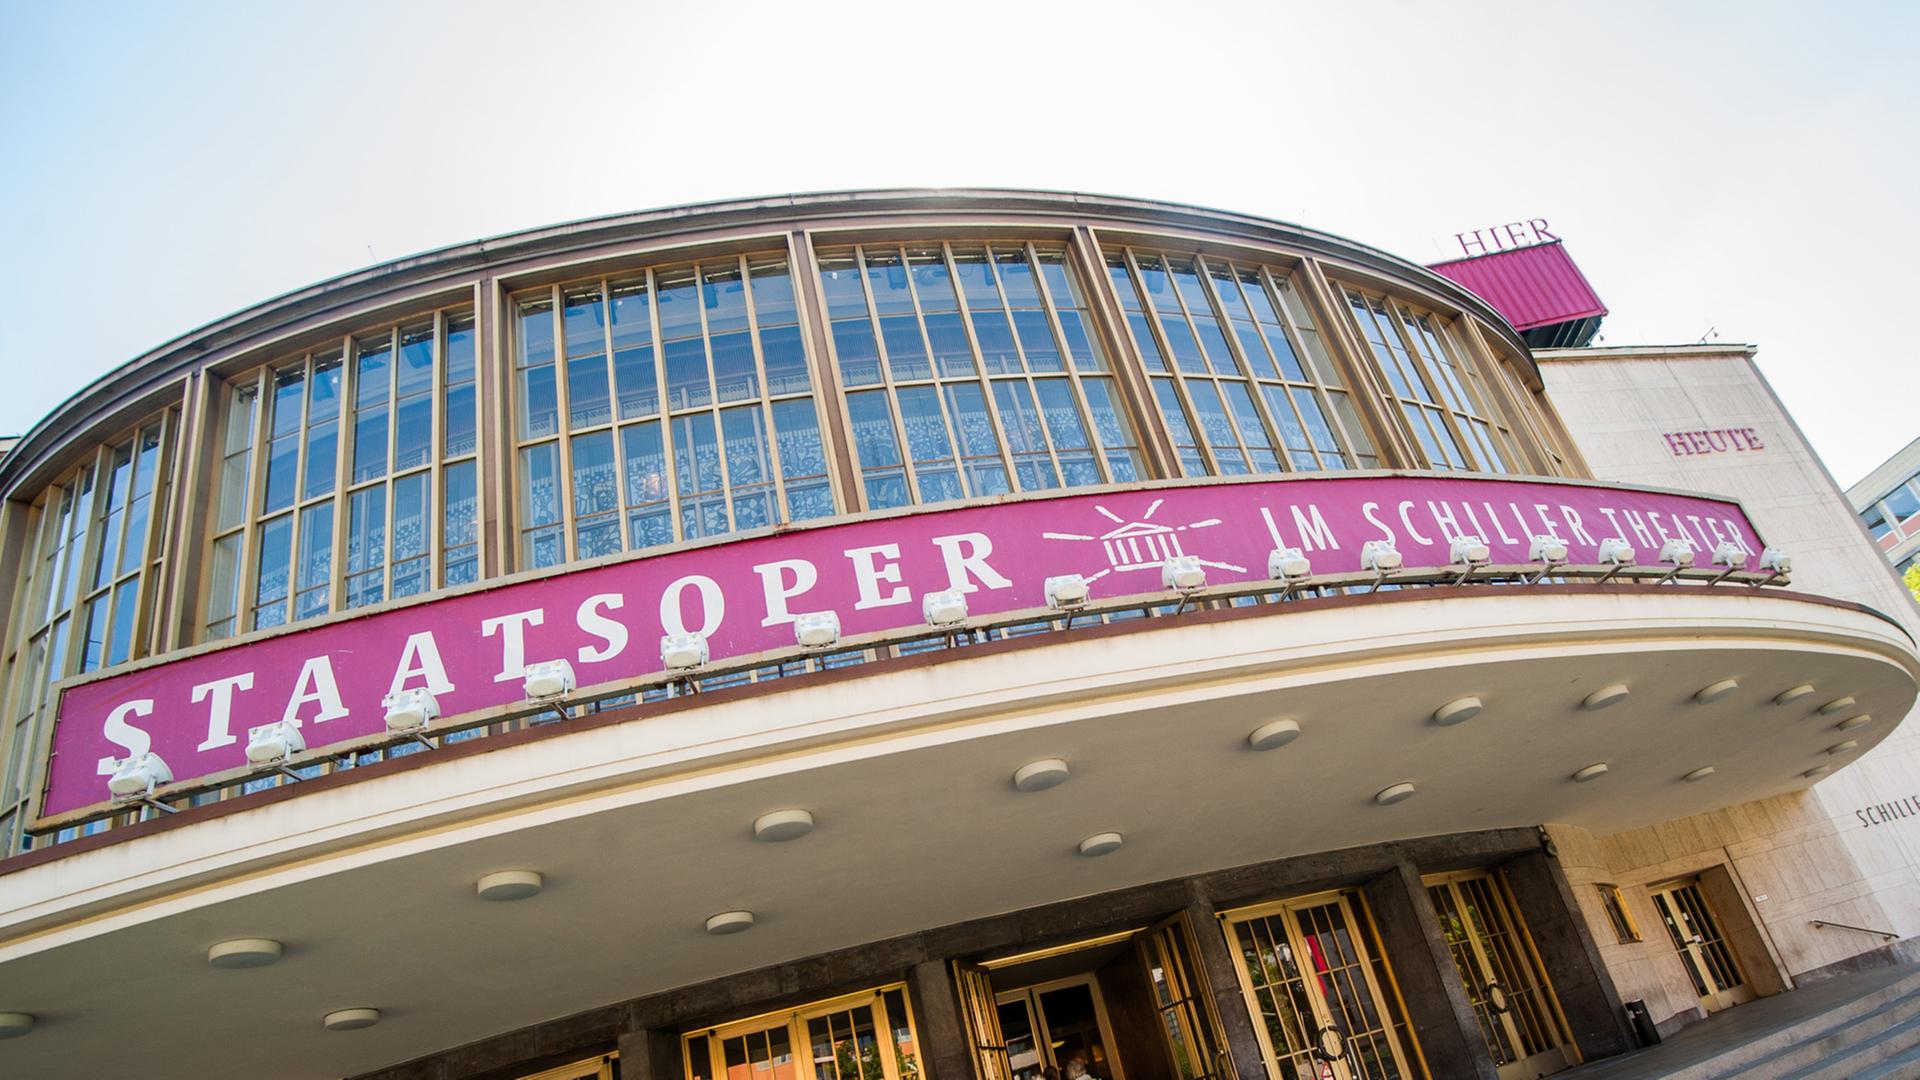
{"x": 1502, "y": 976}
{"x": 1312, "y": 972}
{"x": 1196, "y": 1046}
{"x": 1703, "y": 949}
{"x": 1057, "y": 1022}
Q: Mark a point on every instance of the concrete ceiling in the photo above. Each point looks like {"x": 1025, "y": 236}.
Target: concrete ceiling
{"x": 914, "y": 830}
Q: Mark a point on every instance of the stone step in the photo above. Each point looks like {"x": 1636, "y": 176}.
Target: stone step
{"x": 1901, "y": 1039}
{"x": 1740, "y": 1061}
{"x": 1828, "y": 1037}
{"x": 1904, "y": 1067}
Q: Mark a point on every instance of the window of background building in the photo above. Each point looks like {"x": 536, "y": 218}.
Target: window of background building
{"x": 84, "y": 592}
{"x": 686, "y": 404}
{"x": 972, "y": 370}
{"x": 1447, "y": 406}
{"x": 1237, "y": 367}
{"x": 348, "y": 477}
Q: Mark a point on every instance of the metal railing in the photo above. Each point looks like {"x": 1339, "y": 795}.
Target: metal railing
{"x": 1822, "y": 924}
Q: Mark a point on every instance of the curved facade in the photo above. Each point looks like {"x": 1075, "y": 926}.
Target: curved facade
{"x": 708, "y": 427}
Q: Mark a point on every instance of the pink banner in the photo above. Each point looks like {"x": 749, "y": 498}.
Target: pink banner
{"x": 471, "y": 649}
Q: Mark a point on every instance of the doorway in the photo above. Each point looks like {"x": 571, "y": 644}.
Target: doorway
{"x": 1504, "y": 979}
{"x": 1702, "y": 946}
{"x": 1313, "y": 974}
{"x": 1049, "y": 1025}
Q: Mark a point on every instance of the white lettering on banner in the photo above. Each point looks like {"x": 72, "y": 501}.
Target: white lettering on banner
{"x": 611, "y": 631}
{"x": 124, "y": 735}
{"x": 316, "y": 686}
{"x": 778, "y": 590}
{"x": 1573, "y": 524}
{"x": 220, "y": 710}
{"x": 1553, "y": 527}
{"x": 1371, "y": 511}
{"x": 421, "y": 657}
{"x": 1406, "y": 520}
{"x": 713, "y": 606}
{"x": 867, "y": 576}
{"x": 1313, "y": 530}
{"x": 512, "y": 630}
{"x": 966, "y": 559}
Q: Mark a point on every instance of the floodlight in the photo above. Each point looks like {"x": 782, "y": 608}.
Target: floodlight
{"x": 273, "y": 744}
{"x": 135, "y": 777}
{"x": 1066, "y": 591}
{"x": 1183, "y": 573}
{"x": 1615, "y": 551}
{"x": 683, "y": 652}
{"x": 1776, "y": 562}
{"x": 817, "y": 629}
{"x": 1547, "y": 549}
{"x": 1729, "y": 554}
{"x": 1288, "y": 564}
{"x": 1468, "y": 551}
{"x": 948, "y": 607}
{"x": 1380, "y": 556}
{"x": 410, "y": 711}
{"x": 549, "y": 679}
{"x": 1677, "y": 551}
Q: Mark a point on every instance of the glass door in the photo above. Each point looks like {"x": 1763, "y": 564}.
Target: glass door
{"x": 1196, "y": 1046}
{"x": 1313, "y": 973}
{"x": 992, "y": 1059}
{"x": 1054, "y": 1024}
{"x": 1504, "y": 980}
{"x": 865, "y": 1036}
{"x": 1703, "y": 949}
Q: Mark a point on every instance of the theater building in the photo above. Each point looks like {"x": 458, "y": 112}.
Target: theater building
{"x": 910, "y": 634}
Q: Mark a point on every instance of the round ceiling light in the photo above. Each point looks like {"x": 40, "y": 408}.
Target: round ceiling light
{"x": 1698, "y": 774}
{"x": 1842, "y": 747}
{"x": 1707, "y": 695}
{"x": 1387, "y": 796}
{"x": 249, "y": 952}
{"x": 1457, "y": 711}
{"x": 350, "y": 1019}
{"x": 729, "y": 922}
{"x": 1272, "y": 736}
{"x": 15, "y": 1024}
{"x": 510, "y": 885}
{"x": 1592, "y": 772}
{"x": 1792, "y": 694}
{"x": 780, "y": 826}
{"x": 1817, "y": 770}
{"x": 1610, "y": 694}
{"x": 1852, "y": 722}
{"x": 1836, "y": 705}
{"x": 1099, "y": 844}
{"x": 1041, "y": 775}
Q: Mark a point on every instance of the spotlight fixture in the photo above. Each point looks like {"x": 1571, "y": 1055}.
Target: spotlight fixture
{"x": 15, "y": 1024}
{"x": 729, "y": 922}
{"x": 1616, "y": 555}
{"x": 1837, "y": 704}
{"x": 1677, "y": 552}
{"x": 1457, "y": 711}
{"x": 1728, "y": 553}
{"x": 1041, "y": 775}
{"x": 780, "y": 826}
{"x": 1698, "y": 774}
{"x": 135, "y": 777}
{"x": 549, "y": 680}
{"x": 1183, "y": 574}
{"x": 1792, "y": 694}
{"x": 1387, "y": 796}
{"x": 1099, "y": 844}
{"x": 509, "y": 885}
{"x": 1380, "y": 556}
{"x": 1549, "y": 552}
{"x": 1592, "y": 772}
{"x": 948, "y": 607}
{"x": 1468, "y": 551}
{"x": 1288, "y": 564}
{"x": 1776, "y": 563}
{"x": 410, "y": 712}
{"x": 817, "y": 629}
{"x": 244, "y": 953}
{"x": 350, "y": 1019}
{"x": 1707, "y": 695}
{"x": 1066, "y": 592}
{"x": 275, "y": 744}
{"x": 1272, "y": 736}
{"x": 683, "y": 652}
{"x": 1610, "y": 694}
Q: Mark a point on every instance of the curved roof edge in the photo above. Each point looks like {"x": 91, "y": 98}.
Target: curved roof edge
{"x": 146, "y": 374}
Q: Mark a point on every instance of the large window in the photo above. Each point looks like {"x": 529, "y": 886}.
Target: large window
{"x": 864, "y": 1036}
{"x": 1448, "y": 409}
{"x": 84, "y": 594}
{"x": 1237, "y": 367}
{"x": 972, "y": 370}
{"x": 670, "y": 404}
{"x": 348, "y": 477}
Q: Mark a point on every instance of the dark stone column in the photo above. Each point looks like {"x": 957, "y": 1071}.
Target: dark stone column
{"x": 650, "y": 1054}
{"x": 1437, "y": 1005}
{"x": 946, "y": 1050}
{"x": 1223, "y": 980}
{"x": 1586, "y": 993}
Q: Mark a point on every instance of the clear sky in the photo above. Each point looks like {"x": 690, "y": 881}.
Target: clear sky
{"x": 1743, "y": 169}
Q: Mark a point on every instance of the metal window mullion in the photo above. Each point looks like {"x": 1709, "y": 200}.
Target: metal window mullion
{"x": 101, "y": 466}
{"x": 1026, "y": 367}
{"x": 343, "y": 475}
{"x": 1431, "y": 379}
{"x": 1261, "y": 405}
{"x": 1050, "y": 306}
{"x": 243, "y": 601}
{"x": 662, "y": 408}
{"x": 563, "y": 425}
{"x": 886, "y": 381}
{"x": 1131, "y": 380}
{"x": 615, "y": 429}
{"x": 152, "y": 546}
{"x": 836, "y": 442}
{"x": 436, "y": 451}
{"x": 1416, "y": 449}
{"x": 1296, "y": 340}
{"x": 980, "y": 375}
{"x": 712, "y": 408}
{"x": 765, "y": 403}
{"x": 1194, "y": 424}
{"x": 933, "y": 375}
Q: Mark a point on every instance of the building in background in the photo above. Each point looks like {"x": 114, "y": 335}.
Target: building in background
{"x": 901, "y": 634}
{"x": 1888, "y": 501}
